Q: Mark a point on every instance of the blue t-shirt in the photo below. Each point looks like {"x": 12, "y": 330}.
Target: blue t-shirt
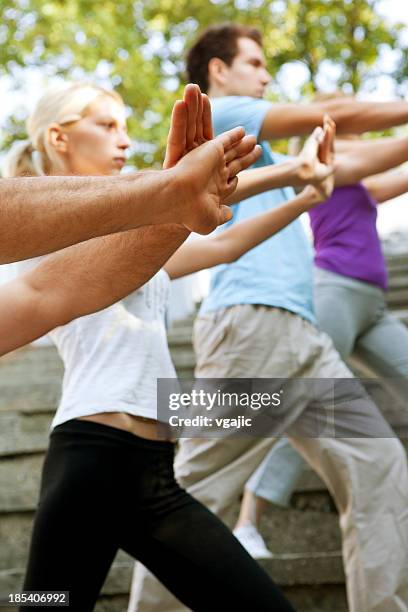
{"x": 278, "y": 272}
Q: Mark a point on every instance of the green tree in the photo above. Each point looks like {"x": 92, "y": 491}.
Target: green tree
{"x": 138, "y": 47}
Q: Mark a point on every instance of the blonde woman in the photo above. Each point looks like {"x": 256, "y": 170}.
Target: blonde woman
{"x": 41, "y": 215}
{"x": 190, "y": 192}
{"x": 107, "y": 482}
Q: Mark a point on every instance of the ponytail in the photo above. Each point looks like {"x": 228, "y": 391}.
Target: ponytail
{"x": 22, "y": 160}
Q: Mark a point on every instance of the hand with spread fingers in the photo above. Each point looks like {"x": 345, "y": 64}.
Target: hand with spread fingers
{"x": 204, "y": 167}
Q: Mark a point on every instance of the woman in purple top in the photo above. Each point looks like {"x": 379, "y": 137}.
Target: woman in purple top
{"x": 349, "y": 297}
{"x": 351, "y": 275}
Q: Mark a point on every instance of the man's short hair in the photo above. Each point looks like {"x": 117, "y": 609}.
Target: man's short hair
{"x": 216, "y": 41}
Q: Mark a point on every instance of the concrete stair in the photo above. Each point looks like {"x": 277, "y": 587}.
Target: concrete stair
{"x": 305, "y": 538}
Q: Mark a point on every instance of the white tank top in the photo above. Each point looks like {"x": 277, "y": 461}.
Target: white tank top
{"x": 113, "y": 358}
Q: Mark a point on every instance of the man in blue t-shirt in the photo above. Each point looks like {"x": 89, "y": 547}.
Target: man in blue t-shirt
{"x": 258, "y": 321}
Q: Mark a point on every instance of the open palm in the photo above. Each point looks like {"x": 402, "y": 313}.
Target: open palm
{"x": 205, "y": 167}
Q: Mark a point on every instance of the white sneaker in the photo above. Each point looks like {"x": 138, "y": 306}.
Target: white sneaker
{"x": 252, "y": 541}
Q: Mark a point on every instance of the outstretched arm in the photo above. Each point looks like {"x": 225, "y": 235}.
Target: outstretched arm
{"x": 384, "y": 187}
{"x": 80, "y": 280}
{"x": 104, "y": 270}
{"x": 369, "y": 157}
{"x": 307, "y": 168}
{"x": 230, "y": 244}
{"x": 43, "y": 214}
{"x": 351, "y": 117}
{"x": 236, "y": 240}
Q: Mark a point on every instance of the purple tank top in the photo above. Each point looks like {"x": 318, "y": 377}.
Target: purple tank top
{"x": 345, "y": 235}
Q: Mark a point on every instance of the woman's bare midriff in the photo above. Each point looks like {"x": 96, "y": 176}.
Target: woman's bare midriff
{"x": 140, "y": 426}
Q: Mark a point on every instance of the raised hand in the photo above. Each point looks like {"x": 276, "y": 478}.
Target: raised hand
{"x": 320, "y": 147}
{"x": 205, "y": 178}
{"x": 316, "y": 158}
{"x": 205, "y": 167}
{"x": 190, "y": 125}
{"x": 326, "y": 156}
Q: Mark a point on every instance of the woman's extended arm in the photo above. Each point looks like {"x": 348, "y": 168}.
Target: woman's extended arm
{"x": 307, "y": 168}
{"x": 384, "y": 187}
{"x": 241, "y": 237}
{"x": 257, "y": 180}
{"x": 230, "y": 244}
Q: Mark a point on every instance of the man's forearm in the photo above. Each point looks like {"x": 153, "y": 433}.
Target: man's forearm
{"x": 358, "y": 117}
{"x": 351, "y": 117}
{"x": 82, "y": 279}
{"x": 43, "y": 214}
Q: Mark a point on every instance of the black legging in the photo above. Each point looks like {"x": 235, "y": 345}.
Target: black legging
{"x": 104, "y": 489}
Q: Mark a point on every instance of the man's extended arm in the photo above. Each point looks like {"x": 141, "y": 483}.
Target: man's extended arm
{"x": 43, "y": 214}
{"x": 286, "y": 120}
{"x": 82, "y": 279}
{"x": 91, "y": 276}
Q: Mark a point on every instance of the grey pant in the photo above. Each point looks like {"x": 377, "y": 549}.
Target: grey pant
{"x": 355, "y": 316}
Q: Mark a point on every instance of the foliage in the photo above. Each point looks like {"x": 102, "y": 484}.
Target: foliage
{"x": 138, "y": 47}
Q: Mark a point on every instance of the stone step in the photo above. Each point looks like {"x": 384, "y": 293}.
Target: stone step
{"x": 396, "y": 283}
{"x": 307, "y": 561}
{"x": 402, "y": 314}
{"x": 24, "y": 432}
{"x": 180, "y": 336}
{"x": 30, "y": 380}
{"x": 115, "y": 593}
{"x": 182, "y": 357}
{"x": 20, "y": 482}
{"x": 397, "y": 268}
{"x": 117, "y": 582}
{"x": 398, "y": 299}
{"x": 288, "y": 569}
{"x": 306, "y": 569}
{"x": 395, "y": 264}
{"x": 311, "y": 530}
{"x": 327, "y": 598}
{"x": 397, "y": 259}
{"x": 330, "y": 598}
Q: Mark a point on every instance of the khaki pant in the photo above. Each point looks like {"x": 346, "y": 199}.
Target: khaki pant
{"x": 367, "y": 477}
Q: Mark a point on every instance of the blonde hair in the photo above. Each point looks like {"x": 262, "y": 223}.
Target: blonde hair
{"x": 60, "y": 105}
